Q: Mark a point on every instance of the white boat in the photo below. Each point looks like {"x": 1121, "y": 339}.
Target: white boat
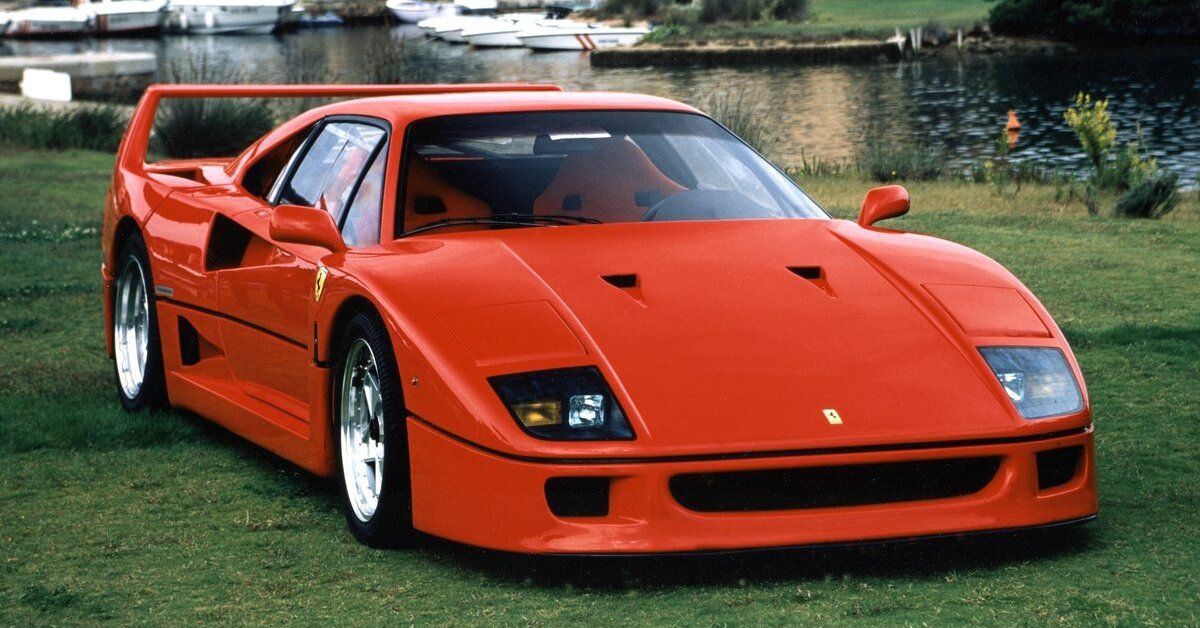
{"x": 451, "y": 29}
{"x": 49, "y": 18}
{"x": 125, "y": 17}
{"x": 502, "y": 31}
{"x": 580, "y": 37}
{"x": 4, "y": 22}
{"x": 409, "y": 12}
{"x": 219, "y": 17}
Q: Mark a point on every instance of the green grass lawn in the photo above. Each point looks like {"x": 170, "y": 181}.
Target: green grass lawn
{"x": 833, "y": 19}
{"x": 164, "y": 518}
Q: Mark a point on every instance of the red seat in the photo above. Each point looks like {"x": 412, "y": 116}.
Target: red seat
{"x": 432, "y": 192}
{"x": 614, "y": 182}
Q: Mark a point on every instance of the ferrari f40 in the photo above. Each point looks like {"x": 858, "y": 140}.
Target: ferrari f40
{"x": 582, "y": 323}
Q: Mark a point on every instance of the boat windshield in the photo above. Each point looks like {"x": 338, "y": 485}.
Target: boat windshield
{"x": 577, "y": 167}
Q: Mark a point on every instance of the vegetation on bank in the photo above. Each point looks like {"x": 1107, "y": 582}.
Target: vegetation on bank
{"x": 164, "y": 518}
{"x": 802, "y": 21}
{"x": 1099, "y": 21}
{"x": 94, "y": 128}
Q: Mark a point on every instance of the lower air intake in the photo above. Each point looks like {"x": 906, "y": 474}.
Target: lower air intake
{"x": 830, "y": 487}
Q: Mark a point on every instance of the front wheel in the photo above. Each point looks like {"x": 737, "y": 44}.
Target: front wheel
{"x": 138, "y": 353}
{"x": 370, "y": 430}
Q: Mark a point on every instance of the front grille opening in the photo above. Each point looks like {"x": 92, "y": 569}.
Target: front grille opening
{"x": 1058, "y": 466}
{"x": 577, "y": 497}
{"x": 830, "y": 487}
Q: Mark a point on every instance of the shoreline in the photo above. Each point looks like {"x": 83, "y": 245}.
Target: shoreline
{"x": 745, "y": 52}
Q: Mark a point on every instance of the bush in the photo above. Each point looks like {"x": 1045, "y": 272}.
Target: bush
{"x": 634, "y": 8}
{"x": 1093, "y": 126}
{"x": 818, "y": 167}
{"x": 1154, "y": 197}
{"x": 750, "y": 119}
{"x": 790, "y": 10}
{"x": 885, "y": 161}
{"x": 92, "y": 128}
{"x": 209, "y": 127}
{"x": 1098, "y": 20}
{"x": 712, "y": 11}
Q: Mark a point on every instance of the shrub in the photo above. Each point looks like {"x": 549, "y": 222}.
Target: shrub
{"x": 737, "y": 10}
{"x": 1093, "y": 125}
{"x": 633, "y": 8}
{"x": 887, "y": 161}
{"x": 209, "y": 127}
{"x": 1154, "y": 197}
{"x": 790, "y": 10}
{"x": 92, "y": 128}
{"x": 750, "y": 119}
{"x": 817, "y": 167}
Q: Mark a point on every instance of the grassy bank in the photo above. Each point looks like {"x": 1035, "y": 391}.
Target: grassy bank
{"x": 166, "y": 519}
{"x": 836, "y": 19}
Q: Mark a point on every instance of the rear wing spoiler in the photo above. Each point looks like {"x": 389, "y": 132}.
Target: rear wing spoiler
{"x": 132, "y": 154}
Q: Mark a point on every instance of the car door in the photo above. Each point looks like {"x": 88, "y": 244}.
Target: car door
{"x": 265, "y": 295}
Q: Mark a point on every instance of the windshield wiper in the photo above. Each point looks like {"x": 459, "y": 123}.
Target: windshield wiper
{"x": 508, "y": 220}
{"x": 561, "y": 218}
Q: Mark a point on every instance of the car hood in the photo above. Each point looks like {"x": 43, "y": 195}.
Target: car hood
{"x": 743, "y": 336}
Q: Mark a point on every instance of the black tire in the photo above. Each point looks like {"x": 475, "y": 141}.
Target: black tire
{"x": 390, "y": 525}
{"x": 152, "y": 394}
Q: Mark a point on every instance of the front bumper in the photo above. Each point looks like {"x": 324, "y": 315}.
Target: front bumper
{"x": 473, "y": 496}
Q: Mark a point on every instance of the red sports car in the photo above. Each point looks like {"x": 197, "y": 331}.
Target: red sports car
{"x": 552, "y": 322}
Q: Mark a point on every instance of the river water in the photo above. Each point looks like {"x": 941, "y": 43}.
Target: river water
{"x": 819, "y": 110}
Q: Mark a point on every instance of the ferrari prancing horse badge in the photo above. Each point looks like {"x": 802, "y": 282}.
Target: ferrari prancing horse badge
{"x": 319, "y": 286}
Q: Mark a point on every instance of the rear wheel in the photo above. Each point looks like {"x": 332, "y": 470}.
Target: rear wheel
{"x": 372, "y": 443}
{"x": 138, "y": 353}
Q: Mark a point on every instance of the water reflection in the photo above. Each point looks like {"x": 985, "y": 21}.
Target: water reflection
{"x": 823, "y": 110}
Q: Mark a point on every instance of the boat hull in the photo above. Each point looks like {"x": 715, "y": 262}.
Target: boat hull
{"x": 591, "y": 39}
{"x": 493, "y": 39}
{"x": 225, "y": 19}
{"x": 129, "y": 23}
{"x": 414, "y": 14}
{"x": 48, "y": 22}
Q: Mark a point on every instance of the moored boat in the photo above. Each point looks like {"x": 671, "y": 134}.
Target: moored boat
{"x": 580, "y": 37}
{"x": 502, "y": 31}
{"x": 409, "y": 12}
{"x": 127, "y": 17}
{"x": 49, "y": 18}
{"x": 451, "y": 29}
{"x": 218, "y": 17}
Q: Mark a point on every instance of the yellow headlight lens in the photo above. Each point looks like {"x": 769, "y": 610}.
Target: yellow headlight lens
{"x": 538, "y": 413}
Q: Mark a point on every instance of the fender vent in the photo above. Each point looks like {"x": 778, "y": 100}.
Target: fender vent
{"x": 815, "y": 275}
{"x": 628, "y": 283}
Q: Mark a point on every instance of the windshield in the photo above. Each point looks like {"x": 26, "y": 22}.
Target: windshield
{"x": 575, "y": 167}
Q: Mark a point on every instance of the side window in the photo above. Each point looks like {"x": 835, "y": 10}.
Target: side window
{"x": 328, "y": 172}
{"x": 362, "y": 219}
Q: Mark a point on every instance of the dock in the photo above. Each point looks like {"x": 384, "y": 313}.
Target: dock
{"x": 675, "y": 55}
{"x": 93, "y": 74}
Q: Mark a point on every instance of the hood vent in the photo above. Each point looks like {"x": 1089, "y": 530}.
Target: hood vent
{"x": 629, "y": 284}
{"x": 816, "y": 276}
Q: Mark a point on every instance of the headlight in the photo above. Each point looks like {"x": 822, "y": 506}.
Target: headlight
{"x": 1038, "y": 381}
{"x": 564, "y": 404}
